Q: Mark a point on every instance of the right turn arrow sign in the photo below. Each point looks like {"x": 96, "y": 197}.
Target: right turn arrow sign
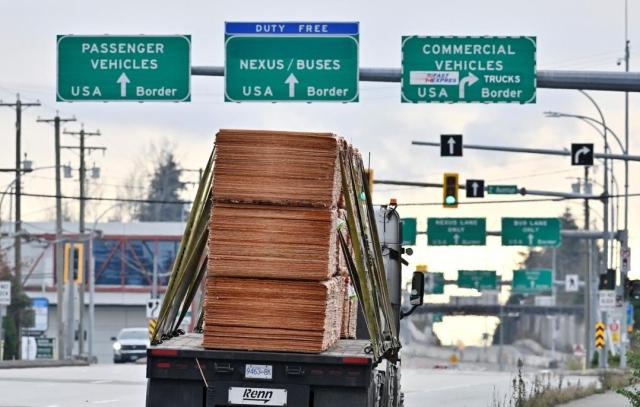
{"x": 582, "y": 154}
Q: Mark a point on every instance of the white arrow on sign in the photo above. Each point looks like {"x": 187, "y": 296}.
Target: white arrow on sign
{"x": 123, "y": 80}
{"x": 530, "y": 239}
{"x": 456, "y": 238}
{"x": 291, "y": 81}
{"x": 475, "y": 188}
{"x": 584, "y": 150}
{"x": 452, "y": 144}
{"x": 467, "y": 80}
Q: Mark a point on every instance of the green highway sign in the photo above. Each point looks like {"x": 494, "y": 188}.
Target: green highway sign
{"x": 434, "y": 283}
{"x": 124, "y": 68}
{"x": 468, "y": 69}
{"x": 531, "y": 232}
{"x": 502, "y": 189}
{"x": 409, "y": 231}
{"x": 534, "y": 281}
{"x": 456, "y": 231}
{"x": 275, "y": 62}
{"x": 478, "y": 279}
{"x": 437, "y": 317}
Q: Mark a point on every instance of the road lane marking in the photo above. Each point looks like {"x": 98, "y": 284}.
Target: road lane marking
{"x": 105, "y": 401}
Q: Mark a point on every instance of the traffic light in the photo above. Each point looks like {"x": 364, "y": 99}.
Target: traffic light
{"x": 631, "y": 289}
{"x": 75, "y": 270}
{"x": 608, "y": 280}
{"x": 450, "y": 190}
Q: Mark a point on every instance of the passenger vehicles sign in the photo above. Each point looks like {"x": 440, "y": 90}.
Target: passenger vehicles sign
{"x": 468, "y": 69}
{"x": 270, "y": 62}
{"x": 124, "y": 68}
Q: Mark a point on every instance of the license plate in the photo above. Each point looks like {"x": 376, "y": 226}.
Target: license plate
{"x": 264, "y": 372}
{"x": 253, "y": 396}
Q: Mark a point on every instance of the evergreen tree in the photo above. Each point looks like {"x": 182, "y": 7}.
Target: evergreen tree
{"x": 165, "y": 186}
{"x": 18, "y": 313}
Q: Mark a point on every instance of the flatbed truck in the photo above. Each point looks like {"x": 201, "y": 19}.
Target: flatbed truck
{"x": 181, "y": 372}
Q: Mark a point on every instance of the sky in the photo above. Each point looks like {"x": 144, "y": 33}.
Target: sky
{"x": 571, "y": 35}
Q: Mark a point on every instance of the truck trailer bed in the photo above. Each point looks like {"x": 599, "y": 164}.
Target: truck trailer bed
{"x": 181, "y": 372}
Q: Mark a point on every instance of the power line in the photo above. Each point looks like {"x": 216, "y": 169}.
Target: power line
{"x": 512, "y": 201}
{"x": 101, "y": 199}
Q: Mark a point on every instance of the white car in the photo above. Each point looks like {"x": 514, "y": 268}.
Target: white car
{"x": 130, "y": 345}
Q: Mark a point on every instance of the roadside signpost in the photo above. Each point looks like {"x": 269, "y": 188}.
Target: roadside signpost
{"x": 533, "y": 281}
{"x": 5, "y": 293}
{"x": 502, "y": 189}
{"x": 40, "y": 307}
{"x": 409, "y": 231}
{"x": 44, "y": 348}
{"x": 287, "y": 61}
{"x": 607, "y": 300}
{"x": 457, "y": 231}
{"x": 433, "y": 283}
{"x": 571, "y": 283}
{"x": 582, "y": 154}
{"x": 153, "y": 308}
{"x": 599, "y": 337}
{"x": 451, "y": 145}
{"x": 530, "y": 232}
{"x": 475, "y": 188}
{"x": 477, "y": 279}
{"x": 468, "y": 69}
{"x": 5, "y": 300}
{"x": 124, "y": 68}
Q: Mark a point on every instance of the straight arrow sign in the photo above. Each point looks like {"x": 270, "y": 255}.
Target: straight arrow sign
{"x": 451, "y": 145}
{"x": 292, "y": 81}
{"x": 123, "y": 80}
{"x": 475, "y": 188}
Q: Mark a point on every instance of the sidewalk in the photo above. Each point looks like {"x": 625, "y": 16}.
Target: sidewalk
{"x": 23, "y": 364}
{"x": 600, "y": 400}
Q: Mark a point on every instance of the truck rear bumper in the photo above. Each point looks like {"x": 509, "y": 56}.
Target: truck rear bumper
{"x": 188, "y": 376}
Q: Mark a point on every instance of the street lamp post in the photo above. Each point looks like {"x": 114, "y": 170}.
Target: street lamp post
{"x": 625, "y": 151}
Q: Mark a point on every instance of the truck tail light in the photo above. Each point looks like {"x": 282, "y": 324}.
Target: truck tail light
{"x": 355, "y": 361}
{"x": 163, "y": 365}
{"x": 164, "y": 352}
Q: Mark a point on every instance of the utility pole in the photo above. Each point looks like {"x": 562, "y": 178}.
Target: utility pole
{"x": 588, "y": 277}
{"x": 58, "y": 243}
{"x": 625, "y": 245}
{"x": 83, "y": 172}
{"x": 18, "y": 105}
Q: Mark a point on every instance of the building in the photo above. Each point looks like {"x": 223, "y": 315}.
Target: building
{"x": 120, "y": 256}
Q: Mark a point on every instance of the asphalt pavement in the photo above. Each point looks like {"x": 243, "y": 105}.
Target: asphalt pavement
{"x": 100, "y": 385}
{"x": 125, "y": 386}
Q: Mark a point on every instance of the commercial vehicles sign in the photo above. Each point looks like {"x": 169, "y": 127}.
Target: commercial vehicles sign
{"x": 277, "y": 62}
{"x": 468, "y": 69}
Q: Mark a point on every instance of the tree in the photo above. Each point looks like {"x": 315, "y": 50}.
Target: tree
{"x": 165, "y": 186}
{"x": 18, "y": 312}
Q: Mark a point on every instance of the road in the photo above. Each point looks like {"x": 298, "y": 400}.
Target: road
{"x": 100, "y": 385}
{"x": 125, "y": 385}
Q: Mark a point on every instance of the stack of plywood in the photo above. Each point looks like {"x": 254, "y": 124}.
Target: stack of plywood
{"x": 276, "y": 279}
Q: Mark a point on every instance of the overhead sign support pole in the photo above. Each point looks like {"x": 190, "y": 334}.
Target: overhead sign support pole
{"x": 547, "y": 79}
